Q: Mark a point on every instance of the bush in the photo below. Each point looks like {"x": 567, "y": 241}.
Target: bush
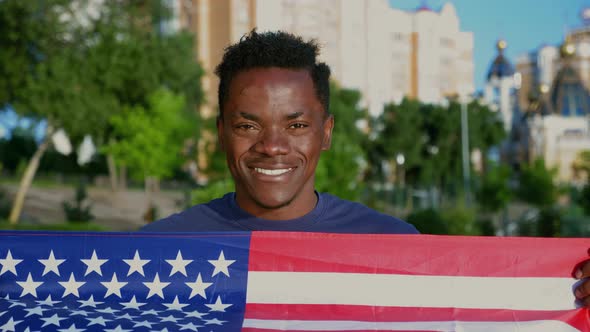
{"x": 428, "y": 221}
{"x": 79, "y": 211}
{"x": 211, "y": 191}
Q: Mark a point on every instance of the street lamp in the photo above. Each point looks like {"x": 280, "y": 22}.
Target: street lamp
{"x": 465, "y": 150}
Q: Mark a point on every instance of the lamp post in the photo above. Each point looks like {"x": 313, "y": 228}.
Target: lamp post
{"x": 465, "y": 150}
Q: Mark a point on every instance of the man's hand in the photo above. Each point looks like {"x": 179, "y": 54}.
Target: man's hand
{"x": 582, "y": 292}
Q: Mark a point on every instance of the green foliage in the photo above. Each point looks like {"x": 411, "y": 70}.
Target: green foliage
{"x": 211, "y": 191}
{"x": 584, "y": 199}
{"x": 4, "y": 204}
{"x": 339, "y": 169}
{"x": 428, "y": 221}
{"x": 494, "y": 191}
{"x": 79, "y": 210}
{"x": 429, "y": 137}
{"x": 546, "y": 223}
{"x": 537, "y": 185}
{"x": 454, "y": 221}
{"x": 149, "y": 140}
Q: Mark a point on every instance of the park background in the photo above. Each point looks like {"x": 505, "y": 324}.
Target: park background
{"x": 107, "y": 110}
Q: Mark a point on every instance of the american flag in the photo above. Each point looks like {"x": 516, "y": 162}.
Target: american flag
{"x": 281, "y": 281}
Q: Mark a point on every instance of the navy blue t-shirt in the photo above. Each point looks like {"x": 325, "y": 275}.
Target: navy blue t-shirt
{"x": 331, "y": 215}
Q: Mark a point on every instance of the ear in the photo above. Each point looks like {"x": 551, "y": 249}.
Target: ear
{"x": 327, "y": 127}
{"x": 220, "y": 133}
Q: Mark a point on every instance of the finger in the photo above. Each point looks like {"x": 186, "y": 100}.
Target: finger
{"x": 583, "y": 270}
{"x": 583, "y": 290}
{"x": 586, "y": 302}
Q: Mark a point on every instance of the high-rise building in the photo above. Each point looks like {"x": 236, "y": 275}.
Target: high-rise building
{"x": 384, "y": 52}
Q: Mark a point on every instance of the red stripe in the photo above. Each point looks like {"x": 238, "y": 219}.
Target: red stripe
{"x": 397, "y": 314}
{"x": 579, "y": 318}
{"x": 416, "y": 254}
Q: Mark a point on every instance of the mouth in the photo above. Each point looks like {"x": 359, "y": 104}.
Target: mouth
{"x": 272, "y": 172}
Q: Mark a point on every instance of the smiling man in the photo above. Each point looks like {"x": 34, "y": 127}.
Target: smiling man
{"x": 274, "y": 122}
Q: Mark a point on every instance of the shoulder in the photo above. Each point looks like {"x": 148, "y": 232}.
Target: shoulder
{"x": 362, "y": 219}
{"x": 199, "y": 218}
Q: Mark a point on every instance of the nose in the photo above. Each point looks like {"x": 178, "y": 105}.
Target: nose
{"x": 272, "y": 142}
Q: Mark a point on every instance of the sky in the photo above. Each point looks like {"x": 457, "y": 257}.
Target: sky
{"x": 524, "y": 24}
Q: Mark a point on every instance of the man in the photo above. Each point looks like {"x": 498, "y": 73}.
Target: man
{"x": 273, "y": 124}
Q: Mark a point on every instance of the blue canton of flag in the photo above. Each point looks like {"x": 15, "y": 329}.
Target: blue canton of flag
{"x": 131, "y": 282}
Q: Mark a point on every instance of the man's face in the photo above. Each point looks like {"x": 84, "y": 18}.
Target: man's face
{"x": 273, "y": 131}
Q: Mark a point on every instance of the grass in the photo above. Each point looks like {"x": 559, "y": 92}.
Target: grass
{"x": 71, "y": 227}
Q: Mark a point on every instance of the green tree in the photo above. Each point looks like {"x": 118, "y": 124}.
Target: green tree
{"x": 150, "y": 140}
{"x": 537, "y": 187}
{"x": 79, "y": 71}
{"x": 339, "y": 169}
{"x": 494, "y": 192}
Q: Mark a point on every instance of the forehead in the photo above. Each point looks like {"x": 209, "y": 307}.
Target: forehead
{"x": 272, "y": 83}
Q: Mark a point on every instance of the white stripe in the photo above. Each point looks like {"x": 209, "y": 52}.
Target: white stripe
{"x": 410, "y": 291}
{"x": 445, "y": 326}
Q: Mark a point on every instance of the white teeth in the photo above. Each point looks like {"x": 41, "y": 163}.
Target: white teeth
{"x": 272, "y": 171}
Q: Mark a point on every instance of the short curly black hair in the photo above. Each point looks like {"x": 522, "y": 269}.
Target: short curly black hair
{"x": 273, "y": 49}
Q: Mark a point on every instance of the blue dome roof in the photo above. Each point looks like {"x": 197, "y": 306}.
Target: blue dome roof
{"x": 568, "y": 95}
{"x": 501, "y": 67}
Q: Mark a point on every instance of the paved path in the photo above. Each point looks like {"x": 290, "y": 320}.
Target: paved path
{"x": 117, "y": 211}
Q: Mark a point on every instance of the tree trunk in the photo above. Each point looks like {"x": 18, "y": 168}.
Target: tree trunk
{"x": 112, "y": 172}
{"x": 27, "y": 178}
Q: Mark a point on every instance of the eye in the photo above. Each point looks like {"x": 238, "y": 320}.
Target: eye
{"x": 245, "y": 126}
{"x": 298, "y": 125}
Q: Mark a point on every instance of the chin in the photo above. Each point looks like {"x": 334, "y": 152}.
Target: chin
{"x": 272, "y": 202}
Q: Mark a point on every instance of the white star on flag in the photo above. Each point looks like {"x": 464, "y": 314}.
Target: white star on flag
{"x": 51, "y": 264}
{"x": 198, "y": 287}
{"x": 169, "y": 318}
{"x": 144, "y": 323}
{"x": 156, "y": 287}
{"x": 221, "y": 265}
{"x": 34, "y": 311}
{"x": 107, "y": 310}
{"x": 93, "y": 264}
{"x": 189, "y": 326}
{"x": 98, "y": 321}
{"x": 29, "y": 286}
{"x": 133, "y": 304}
{"x": 136, "y": 264}
{"x": 89, "y": 303}
{"x": 125, "y": 316}
{"x": 114, "y": 286}
{"x": 175, "y": 305}
{"x": 195, "y": 314}
{"x": 218, "y": 305}
{"x": 151, "y": 312}
{"x": 78, "y": 312}
{"x": 214, "y": 321}
{"x": 10, "y": 325}
{"x": 53, "y": 320}
{"x": 71, "y": 286}
{"x": 117, "y": 329}
{"x": 47, "y": 301}
{"x": 178, "y": 264}
{"x": 9, "y": 264}
{"x": 72, "y": 328}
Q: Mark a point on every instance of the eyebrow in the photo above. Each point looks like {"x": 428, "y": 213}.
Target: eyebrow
{"x": 253, "y": 117}
{"x": 294, "y": 115}
{"x": 247, "y": 116}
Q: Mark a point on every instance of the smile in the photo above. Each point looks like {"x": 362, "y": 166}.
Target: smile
{"x": 272, "y": 171}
